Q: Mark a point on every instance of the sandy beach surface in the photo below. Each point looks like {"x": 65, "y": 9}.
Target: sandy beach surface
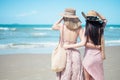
{"x": 37, "y": 66}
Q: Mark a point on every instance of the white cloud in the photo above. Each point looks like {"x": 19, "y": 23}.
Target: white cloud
{"x": 34, "y": 12}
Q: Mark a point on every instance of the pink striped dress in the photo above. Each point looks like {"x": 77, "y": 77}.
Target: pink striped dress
{"x": 93, "y": 64}
{"x": 73, "y": 69}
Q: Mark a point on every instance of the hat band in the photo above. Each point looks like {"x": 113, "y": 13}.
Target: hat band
{"x": 68, "y": 13}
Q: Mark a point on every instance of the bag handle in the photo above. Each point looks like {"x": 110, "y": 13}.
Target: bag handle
{"x": 61, "y": 41}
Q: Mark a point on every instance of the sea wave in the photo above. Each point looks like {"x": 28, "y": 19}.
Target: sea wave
{"x": 28, "y": 45}
{"x": 39, "y": 34}
{"x": 42, "y": 29}
{"x": 114, "y": 28}
{"x": 46, "y": 45}
{"x": 5, "y": 29}
{"x": 112, "y": 42}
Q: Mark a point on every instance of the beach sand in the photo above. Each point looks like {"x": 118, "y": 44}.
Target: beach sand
{"x": 37, "y": 66}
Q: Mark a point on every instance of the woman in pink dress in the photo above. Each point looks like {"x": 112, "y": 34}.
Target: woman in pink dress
{"x": 94, "y": 56}
{"x": 71, "y": 27}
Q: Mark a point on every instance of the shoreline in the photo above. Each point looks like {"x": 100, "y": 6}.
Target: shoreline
{"x": 37, "y": 66}
{"x": 36, "y": 50}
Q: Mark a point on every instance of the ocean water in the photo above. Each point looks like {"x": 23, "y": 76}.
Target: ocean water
{"x": 25, "y": 39}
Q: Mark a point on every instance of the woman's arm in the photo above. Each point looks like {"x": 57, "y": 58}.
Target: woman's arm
{"x": 103, "y": 48}
{"x": 102, "y": 38}
{"x": 91, "y": 45}
{"x": 83, "y": 42}
{"x": 57, "y": 25}
{"x": 101, "y": 17}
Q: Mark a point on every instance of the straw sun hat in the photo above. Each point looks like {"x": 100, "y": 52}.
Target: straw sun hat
{"x": 91, "y": 16}
{"x": 69, "y": 13}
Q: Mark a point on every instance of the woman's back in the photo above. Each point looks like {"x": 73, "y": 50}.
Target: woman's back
{"x": 70, "y": 36}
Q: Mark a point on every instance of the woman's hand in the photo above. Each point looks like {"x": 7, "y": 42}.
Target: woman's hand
{"x": 98, "y": 47}
{"x": 57, "y": 25}
{"x": 103, "y": 56}
{"x": 65, "y": 46}
{"x": 60, "y": 20}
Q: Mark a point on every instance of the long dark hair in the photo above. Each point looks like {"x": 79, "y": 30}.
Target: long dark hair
{"x": 94, "y": 31}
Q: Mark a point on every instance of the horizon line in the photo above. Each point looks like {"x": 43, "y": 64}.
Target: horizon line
{"x": 39, "y": 24}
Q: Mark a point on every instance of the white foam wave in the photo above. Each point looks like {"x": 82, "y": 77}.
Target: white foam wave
{"x": 5, "y": 29}
{"x": 113, "y": 28}
{"x": 113, "y": 42}
{"x": 3, "y": 46}
{"x": 45, "y": 45}
{"x": 39, "y": 34}
{"x": 28, "y": 45}
{"x": 13, "y": 29}
{"x": 42, "y": 28}
{"x": 1, "y": 28}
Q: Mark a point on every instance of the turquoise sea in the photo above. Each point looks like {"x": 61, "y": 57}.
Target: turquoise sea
{"x": 15, "y": 38}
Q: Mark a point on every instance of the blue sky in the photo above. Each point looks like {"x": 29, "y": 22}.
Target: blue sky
{"x": 48, "y": 11}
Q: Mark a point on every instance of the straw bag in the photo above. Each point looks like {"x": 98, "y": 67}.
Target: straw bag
{"x": 58, "y": 59}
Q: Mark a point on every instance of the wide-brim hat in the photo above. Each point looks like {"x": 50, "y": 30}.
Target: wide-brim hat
{"x": 91, "y": 16}
{"x": 69, "y": 13}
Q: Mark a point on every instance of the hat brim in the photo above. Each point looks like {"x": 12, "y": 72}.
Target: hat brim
{"x": 83, "y": 14}
{"x": 69, "y": 16}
